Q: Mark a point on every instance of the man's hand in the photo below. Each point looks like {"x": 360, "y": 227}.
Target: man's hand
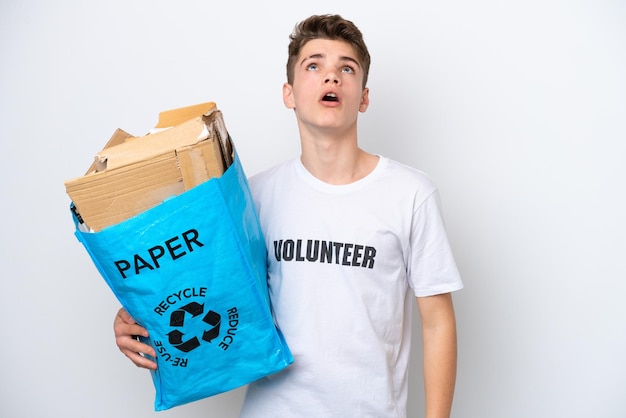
{"x": 126, "y": 332}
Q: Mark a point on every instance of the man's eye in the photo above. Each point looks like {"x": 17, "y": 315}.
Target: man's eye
{"x": 311, "y": 67}
{"x": 347, "y": 70}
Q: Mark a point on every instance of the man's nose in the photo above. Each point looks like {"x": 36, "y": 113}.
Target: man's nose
{"x": 331, "y": 77}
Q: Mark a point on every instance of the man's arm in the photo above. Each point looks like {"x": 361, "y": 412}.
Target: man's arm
{"x": 440, "y": 351}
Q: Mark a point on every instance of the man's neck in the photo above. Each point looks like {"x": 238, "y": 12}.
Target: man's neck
{"x": 336, "y": 160}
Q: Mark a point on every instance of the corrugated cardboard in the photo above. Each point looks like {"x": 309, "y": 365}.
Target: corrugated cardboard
{"x": 133, "y": 174}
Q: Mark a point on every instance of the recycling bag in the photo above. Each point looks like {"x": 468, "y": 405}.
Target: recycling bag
{"x": 192, "y": 270}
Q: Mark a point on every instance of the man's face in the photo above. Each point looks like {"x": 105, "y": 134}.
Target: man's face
{"x": 327, "y": 88}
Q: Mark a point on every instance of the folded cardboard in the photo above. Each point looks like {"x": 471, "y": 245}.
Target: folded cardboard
{"x": 133, "y": 174}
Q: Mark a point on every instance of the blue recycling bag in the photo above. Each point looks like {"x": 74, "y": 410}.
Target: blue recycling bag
{"x": 192, "y": 270}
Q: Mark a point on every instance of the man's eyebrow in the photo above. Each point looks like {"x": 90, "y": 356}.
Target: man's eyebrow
{"x": 314, "y": 56}
{"x": 352, "y": 60}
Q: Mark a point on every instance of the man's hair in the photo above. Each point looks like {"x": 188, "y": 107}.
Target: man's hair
{"x": 332, "y": 27}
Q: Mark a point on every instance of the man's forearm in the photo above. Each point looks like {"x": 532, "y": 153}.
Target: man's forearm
{"x": 440, "y": 356}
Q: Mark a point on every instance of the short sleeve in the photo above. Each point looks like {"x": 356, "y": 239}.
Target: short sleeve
{"x": 432, "y": 268}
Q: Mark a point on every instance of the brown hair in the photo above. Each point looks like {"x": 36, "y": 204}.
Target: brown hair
{"x": 332, "y": 27}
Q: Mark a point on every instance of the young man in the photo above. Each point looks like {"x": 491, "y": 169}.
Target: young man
{"x": 352, "y": 237}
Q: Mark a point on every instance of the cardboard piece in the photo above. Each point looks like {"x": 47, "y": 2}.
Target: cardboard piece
{"x": 133, "y": 174}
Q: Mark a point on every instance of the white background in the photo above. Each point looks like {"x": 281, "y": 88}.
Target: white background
{"x": 516, "y": 109}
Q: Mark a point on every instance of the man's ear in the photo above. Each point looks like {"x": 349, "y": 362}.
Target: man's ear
{"x": 288, "y": 99}
{"x": 365, "y": 100}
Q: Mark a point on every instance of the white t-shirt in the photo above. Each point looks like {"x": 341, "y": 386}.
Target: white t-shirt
{"x": 342, "y": 261}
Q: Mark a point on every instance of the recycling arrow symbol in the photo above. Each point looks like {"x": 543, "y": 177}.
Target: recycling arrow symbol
{"x": 177, "y": 320}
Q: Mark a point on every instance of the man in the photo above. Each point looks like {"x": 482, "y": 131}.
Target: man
{"x": 352, "y": 237}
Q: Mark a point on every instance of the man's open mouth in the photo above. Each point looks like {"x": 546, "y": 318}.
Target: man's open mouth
{"x": 330, "y": 97}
